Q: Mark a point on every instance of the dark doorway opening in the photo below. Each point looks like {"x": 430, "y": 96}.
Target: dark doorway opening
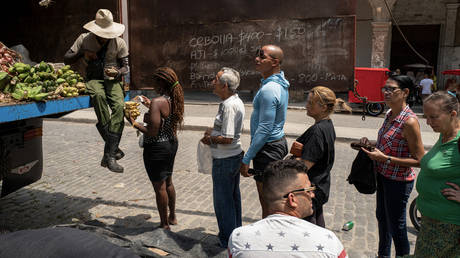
{"x": 424, "y": 38}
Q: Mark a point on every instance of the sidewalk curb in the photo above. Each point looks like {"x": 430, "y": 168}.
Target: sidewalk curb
{"x": 355, "y": 111}
{"x": 200, "y": 128}
{"x": 245, "y": 104}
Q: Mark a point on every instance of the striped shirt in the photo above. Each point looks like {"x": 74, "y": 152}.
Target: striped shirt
{"x": 391, "y": 142}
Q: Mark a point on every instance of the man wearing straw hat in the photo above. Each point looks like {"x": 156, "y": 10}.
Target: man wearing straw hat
{"x": 106, "y": 56}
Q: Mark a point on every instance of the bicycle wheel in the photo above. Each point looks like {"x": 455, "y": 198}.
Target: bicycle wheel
{"x": 374, "y": 109}
{"x": 414, "y": 215}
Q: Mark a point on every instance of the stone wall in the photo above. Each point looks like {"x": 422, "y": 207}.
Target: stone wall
{"x": 408, "y": 12}
{"x": 364, "y": 20}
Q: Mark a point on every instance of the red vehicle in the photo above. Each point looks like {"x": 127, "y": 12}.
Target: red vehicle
{"x": 453, "y": 72}
{"x": 367, "y": 89}
{"x": 452, "y": 84}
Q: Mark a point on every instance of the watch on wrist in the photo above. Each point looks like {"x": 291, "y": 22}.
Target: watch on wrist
{"x": 388, "y": 161}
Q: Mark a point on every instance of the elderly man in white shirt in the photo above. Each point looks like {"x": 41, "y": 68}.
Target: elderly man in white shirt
{"x": 224, "y": 139}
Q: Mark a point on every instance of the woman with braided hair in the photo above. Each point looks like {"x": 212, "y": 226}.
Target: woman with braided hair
{"x": 165, "y": 116}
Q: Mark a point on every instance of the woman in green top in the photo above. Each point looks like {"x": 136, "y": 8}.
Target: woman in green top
{"x": 439, "y": 180}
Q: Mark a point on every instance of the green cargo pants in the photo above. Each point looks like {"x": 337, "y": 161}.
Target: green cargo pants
{"x": 104, "y": 94}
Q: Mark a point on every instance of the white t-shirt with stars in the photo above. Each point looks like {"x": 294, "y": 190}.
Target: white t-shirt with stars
{"x": 284, "y": 236}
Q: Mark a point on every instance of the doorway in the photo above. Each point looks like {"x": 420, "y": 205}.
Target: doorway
{"x": 424, "y": 38}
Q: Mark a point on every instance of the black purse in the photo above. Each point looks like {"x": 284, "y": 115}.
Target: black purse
{"x": 362, "y": 174}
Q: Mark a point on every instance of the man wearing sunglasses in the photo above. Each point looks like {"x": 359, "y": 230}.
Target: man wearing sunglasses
{"x": 267, "y": 119}
{"x": 288, "y": 195}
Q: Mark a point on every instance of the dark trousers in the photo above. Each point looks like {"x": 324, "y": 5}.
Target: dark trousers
{"x": 226, "y": 195}
{"x": 105, "y": 94}
{"x": 392, "y": 197}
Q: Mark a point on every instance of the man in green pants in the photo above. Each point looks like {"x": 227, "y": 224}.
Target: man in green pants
{"x": 106, "y": 57}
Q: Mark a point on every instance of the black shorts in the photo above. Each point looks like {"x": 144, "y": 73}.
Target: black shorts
{"x": 159, "y": 159}
{"x": 271, "y": 151}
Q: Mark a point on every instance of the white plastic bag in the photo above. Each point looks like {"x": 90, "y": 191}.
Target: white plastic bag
{"x": 204, "y": 158}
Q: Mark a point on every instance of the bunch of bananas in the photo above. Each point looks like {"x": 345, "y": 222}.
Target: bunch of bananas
{"x": 132, "y": 109}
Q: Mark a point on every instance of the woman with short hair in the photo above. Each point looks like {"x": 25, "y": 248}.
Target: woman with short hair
{"x": 224, "y": 140}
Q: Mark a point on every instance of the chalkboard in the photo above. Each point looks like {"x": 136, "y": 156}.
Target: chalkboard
{"x": 317, "y": 51}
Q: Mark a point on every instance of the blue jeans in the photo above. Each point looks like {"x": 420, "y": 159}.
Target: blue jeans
{"x": 392, "y": 197}
{"x": 226, "y": 195}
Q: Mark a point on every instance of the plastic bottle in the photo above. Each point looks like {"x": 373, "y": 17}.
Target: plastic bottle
{"x": 347, "y": 226}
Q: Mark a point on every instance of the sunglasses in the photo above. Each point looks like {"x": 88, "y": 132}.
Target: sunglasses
{"x": 307, "y": 190}
{"x": 389, "y": 89}
{"x": 261, "y": 54}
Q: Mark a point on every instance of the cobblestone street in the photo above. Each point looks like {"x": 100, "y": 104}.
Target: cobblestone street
{"x": 75, "y": 188}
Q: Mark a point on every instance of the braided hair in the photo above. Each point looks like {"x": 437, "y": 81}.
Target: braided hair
{"x": 169, "y": 84}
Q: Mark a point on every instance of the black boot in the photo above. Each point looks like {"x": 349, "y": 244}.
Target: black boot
{"x": 119, "y": 154}
{"x": 112, "y": 142}
{"x": 103, "y": 132}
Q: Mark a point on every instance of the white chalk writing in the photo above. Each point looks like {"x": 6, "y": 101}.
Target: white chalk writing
{"x": 204, "y": 41}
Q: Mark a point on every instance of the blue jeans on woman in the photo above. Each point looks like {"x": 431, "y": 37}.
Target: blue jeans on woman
{"x": 392, "y": 197}
{"x": 226, "y": 195}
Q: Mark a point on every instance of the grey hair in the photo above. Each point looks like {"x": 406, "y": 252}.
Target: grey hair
{"x": 231, "y": 77}
{"x": 449, "y": 101}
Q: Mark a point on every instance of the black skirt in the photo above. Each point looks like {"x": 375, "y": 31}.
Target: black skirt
{"x": 159, "y": 159}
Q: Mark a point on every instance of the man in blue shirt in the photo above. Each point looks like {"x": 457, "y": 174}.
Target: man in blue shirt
{"x": 267, "y": 119}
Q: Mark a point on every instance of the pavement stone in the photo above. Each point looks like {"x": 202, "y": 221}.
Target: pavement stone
{"x": 74, "y": 188}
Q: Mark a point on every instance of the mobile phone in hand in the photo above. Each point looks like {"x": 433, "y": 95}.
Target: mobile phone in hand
{"x": 358, "y": 146}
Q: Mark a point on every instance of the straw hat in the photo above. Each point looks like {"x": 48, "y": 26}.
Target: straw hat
{"x": 103, "y": 26}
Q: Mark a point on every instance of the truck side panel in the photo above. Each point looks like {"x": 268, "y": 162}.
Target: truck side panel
{"x": 38, "y": 109}
{"x": 21, "y": 154}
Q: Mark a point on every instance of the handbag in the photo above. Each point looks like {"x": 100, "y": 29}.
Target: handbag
{"x": 362, "y": 174}
{"x": 296, "y": 149}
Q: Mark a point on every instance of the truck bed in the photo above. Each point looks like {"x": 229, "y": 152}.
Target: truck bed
{"x": 19, "y": 111}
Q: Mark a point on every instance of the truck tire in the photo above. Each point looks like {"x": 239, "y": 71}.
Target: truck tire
{"x": 375, "y": 109}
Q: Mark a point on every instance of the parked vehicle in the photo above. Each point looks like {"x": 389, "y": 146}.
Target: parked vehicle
{"x": 367, "y": 89}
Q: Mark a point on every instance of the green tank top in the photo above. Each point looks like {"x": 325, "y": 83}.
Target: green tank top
{"x": 440, "y": 165}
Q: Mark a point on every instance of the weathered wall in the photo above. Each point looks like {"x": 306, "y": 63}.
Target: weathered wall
{"x": 363, "y": 33}
{"x": 48, "y": 32}
{"x": 451, "y": 44}
{"x": 318, "y": 38}
{"x": 408, "y": 12}
{"x": 444, "y": 13}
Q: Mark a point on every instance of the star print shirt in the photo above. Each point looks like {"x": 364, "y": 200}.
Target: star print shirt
{"x": 284, "y": 236}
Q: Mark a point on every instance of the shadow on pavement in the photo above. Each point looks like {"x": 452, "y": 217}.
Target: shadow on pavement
{"x": 32, "y": 209}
